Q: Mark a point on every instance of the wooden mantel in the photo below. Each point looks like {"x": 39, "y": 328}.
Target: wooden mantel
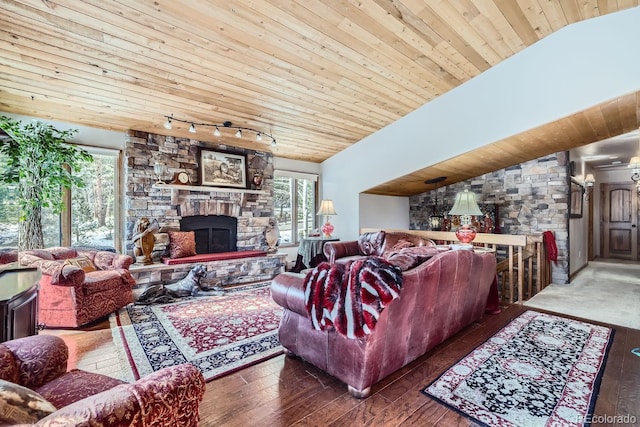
{"x": 176, "y": 188}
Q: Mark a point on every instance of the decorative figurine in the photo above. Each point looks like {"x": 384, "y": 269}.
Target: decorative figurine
{"x": 257, "y": 181}
{"x": 272, "y": 235}
{"x": 144, "y": 240}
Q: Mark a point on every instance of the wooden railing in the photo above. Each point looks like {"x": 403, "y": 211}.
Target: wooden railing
{"x": 522, "y": 267}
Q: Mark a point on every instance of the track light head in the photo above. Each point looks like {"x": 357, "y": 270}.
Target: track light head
{"x": 216, "y": 131}
{"x": 167, "y": 124}
{"x": 273, "y": 142}
{"x": 239, "y": 133}
{"x": 192, "y": 128}
{"x": 258, "y": 136}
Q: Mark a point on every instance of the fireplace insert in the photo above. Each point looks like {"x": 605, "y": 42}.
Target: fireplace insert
{"x": 213, "y": 233}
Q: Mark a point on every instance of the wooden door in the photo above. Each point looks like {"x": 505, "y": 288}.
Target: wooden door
{"x": 619, "y": 221}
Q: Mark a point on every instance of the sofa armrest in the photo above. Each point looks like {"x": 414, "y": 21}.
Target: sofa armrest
{"x": 39, "y": 358}
{"x": 106, "y": 260}
{"x": 170, "y": 396}
{"x": 335, "y": 250}
{"x": 61, "y": 274}
{"x": 287, "y": 290}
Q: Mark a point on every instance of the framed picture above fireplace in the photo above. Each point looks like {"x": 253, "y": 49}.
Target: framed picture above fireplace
{"x": 222, "y": 168}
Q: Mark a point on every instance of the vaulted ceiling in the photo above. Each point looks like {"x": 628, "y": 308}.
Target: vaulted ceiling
{"x": 317, "y": 75}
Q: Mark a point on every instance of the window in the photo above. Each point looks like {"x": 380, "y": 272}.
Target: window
{"x": 9, "y": 214}
{"x": 294, "y": 205}
{"x": 93, "y": 208}
{"x": 89, "y": 217}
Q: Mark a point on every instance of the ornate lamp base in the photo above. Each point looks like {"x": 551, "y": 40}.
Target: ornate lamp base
{"x": 466, "y": 233}
{"x": 327, "y": 229}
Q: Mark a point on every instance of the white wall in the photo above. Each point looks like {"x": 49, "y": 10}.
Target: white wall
{"x": 89, "y": 136}
{"x": 393, "y": 212}
{"x": 554, "y": 78}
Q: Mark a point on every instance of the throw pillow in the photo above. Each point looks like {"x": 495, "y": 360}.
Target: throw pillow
{"x": 182, "y": 244}
{"x": 397, "y": 247}
{"x": 20, "y": 405}
{"x": 371, "y": 243}
{"x": 83, "y": 262}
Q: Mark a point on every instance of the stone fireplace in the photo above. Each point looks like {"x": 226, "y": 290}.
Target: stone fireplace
{"x": 251, "y": 209}
{"x": 224, "y": 219}
{"x": 213, "y": 233}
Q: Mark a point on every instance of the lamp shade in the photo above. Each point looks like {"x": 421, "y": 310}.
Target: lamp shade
{"x": 589, "y": 180}
{"x": 326, "y": 208}
{"x": 634, "y": 162}
{"x": 465, "y": 204}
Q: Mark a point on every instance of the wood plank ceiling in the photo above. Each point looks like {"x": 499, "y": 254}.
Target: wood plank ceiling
{"x": 317, "y": 75}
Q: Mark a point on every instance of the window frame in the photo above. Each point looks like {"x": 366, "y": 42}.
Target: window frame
{"x": 65, "y": 215}
{"x": 295, "y": 176}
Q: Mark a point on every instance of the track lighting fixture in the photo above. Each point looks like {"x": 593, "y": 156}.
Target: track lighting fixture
{"x": 217, "y": 131}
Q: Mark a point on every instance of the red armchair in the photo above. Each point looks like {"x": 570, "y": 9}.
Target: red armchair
{"x": 70, "y": 296}
{"x": 168, "y": 397}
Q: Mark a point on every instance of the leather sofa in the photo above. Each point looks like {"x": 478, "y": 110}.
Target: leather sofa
{"x": 438, "y": 298}
{"x": 372, "y": 244}
{"x": 168, "y": 397}
{"x": 71, "y": 295}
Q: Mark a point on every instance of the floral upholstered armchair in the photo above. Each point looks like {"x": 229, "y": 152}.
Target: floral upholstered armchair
{"x": 35, "y": 369}
{"x": 79, "y": 286}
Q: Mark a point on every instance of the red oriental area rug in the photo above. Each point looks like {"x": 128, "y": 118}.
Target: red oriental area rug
{"x": 539, "y": 370}
{"x": 217, "y": 334}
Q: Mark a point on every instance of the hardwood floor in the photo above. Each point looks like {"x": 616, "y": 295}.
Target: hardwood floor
{"x": 286, "y": 391}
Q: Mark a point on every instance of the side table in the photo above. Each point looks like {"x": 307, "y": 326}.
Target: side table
{"x": 310, "y": 252}
{"x": 18, "y": 302}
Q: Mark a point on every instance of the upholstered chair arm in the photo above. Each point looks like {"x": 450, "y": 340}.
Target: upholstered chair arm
{"x": 39, "y": 359}
{"x": 170, "y": 396}
{"x": 335, "y": 250}
{"x": 106, "y": 260}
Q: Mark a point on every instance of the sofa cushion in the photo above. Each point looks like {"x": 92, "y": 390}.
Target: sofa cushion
{"x": 397, "y": 247}
{"x": 76, "y": 385}
{"x": 371, "y": 243}
{"x": 21, "y": 405}
{"x": 182, "y": 244}
{"x": 412, "y": 256}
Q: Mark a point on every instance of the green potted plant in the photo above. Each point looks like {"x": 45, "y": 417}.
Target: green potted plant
{"x": 40, "y": 163}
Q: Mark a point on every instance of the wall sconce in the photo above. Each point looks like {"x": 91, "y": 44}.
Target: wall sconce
{"x": 589, "y": 182}
{"x": 634, "y": 163}
{"x": 465, "y": 206}
{"x": 327, "y": 209}
{"x": 436, "y": 219}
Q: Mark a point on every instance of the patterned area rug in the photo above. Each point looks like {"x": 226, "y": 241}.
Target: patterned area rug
{"x": 217, "y": 334}
{"x": 540, "y": 370}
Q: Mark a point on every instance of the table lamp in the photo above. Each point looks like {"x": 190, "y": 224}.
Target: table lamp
{"x": 327, "y": 209}
{"x": 465, "y": 206}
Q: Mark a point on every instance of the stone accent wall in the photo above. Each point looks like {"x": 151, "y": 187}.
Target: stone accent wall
{"x": 532, "y": 197}
{"x": 167, "y": 206}
{"x": 219, "y": 273}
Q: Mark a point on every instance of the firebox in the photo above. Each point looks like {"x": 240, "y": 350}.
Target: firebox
{"x": 213, "y": 233}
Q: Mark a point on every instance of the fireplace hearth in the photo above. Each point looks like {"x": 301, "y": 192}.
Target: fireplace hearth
{"x": 213, "y": 233}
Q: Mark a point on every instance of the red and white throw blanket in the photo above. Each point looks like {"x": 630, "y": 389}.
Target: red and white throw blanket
{"x": 350, "y": 297}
